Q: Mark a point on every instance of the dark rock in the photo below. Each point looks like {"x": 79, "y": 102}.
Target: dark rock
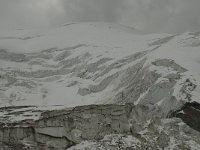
{"x": 189, "y": 113}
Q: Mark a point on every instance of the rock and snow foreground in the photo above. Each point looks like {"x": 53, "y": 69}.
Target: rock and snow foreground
{"x": 98, "y": 127}
{"x": 99, "y": 63}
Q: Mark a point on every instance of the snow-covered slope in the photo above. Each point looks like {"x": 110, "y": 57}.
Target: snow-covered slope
{"x": 87, "y": 63}
{"x": 45, "y": 73}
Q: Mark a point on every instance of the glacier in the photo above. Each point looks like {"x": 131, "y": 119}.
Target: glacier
{"x": 83, "y": 64}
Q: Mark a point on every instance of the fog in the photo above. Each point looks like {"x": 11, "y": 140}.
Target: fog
{"x": 170, "y": 16}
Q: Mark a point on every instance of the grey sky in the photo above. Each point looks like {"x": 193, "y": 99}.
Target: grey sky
{"x": 172, "y": 16}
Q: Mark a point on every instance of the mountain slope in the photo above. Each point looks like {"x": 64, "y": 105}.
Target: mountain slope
{"x": 89, "y": 63}
{"x": 44, "y": 73}
{"x": 82, "y": 63}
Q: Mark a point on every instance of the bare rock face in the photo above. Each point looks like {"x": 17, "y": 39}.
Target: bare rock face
{"x": 190, "y": 113}
{"x": 99, "y": 125}
{"x": 63, "y": 128}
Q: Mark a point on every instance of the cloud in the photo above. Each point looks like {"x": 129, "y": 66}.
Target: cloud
{"x": 172, "y": 16}
{"x": 92, "y": 10}
{"x": 27, "y": 13}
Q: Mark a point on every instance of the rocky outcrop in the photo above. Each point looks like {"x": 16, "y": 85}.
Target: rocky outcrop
{"x": 61, "y": 129}
{"x": 190, "y": 113}
{"x": 68, "y": 127}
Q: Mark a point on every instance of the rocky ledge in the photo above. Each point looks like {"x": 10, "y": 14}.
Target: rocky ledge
{"x": 97, "y": 127}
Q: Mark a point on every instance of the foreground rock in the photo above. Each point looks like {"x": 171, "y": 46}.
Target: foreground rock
{"x": 96, "y": 126}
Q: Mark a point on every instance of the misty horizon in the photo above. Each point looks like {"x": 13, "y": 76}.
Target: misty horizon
{"x": 152, "y": 16}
